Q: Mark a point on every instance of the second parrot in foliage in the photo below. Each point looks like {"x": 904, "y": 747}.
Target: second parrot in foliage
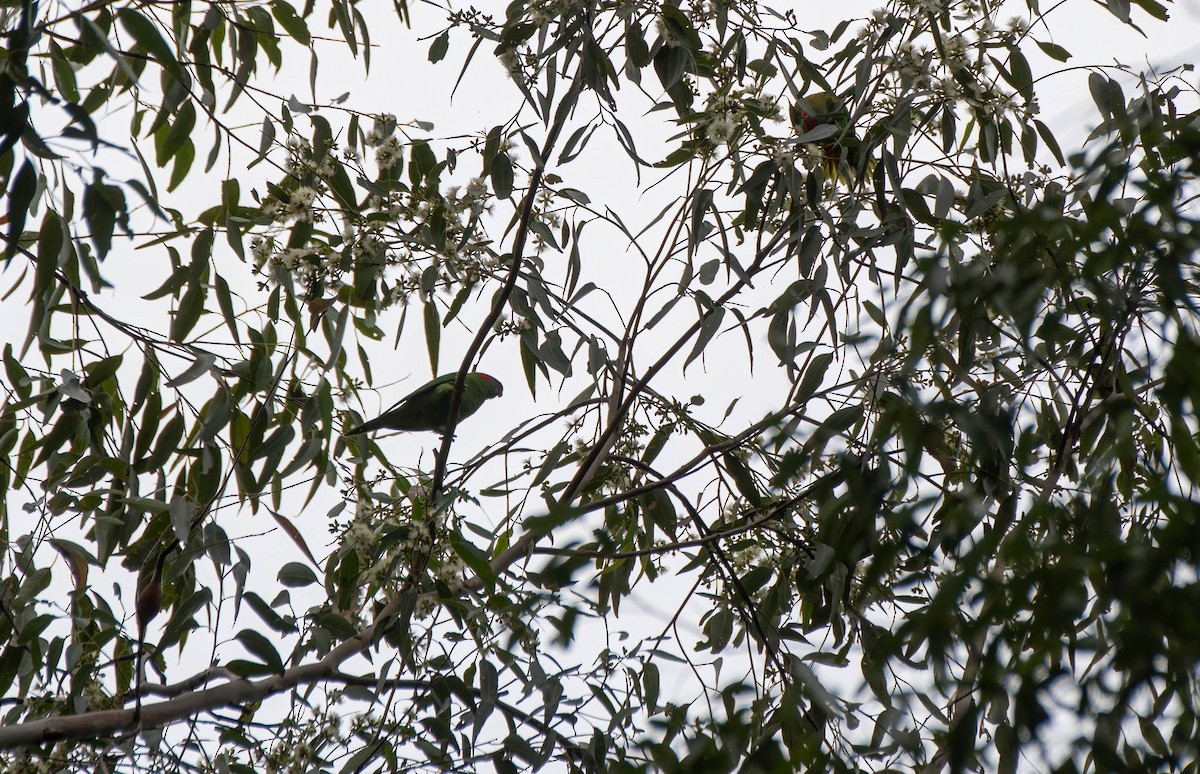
{"x": 841, "y": 150}
{"x": 428, "y": 407}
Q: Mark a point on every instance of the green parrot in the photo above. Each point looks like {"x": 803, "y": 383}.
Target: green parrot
{"x": 842, "y": 149}
{"x": 428, "y": 407}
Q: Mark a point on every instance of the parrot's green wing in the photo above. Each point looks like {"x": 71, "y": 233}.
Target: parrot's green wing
{"x": 428, "y": 407}
{"x": 415, "y": 411}
{"x": 429, "y": 389}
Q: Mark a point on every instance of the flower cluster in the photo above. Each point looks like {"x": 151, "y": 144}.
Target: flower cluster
{"x": 472, "y": 199}
{"x": 729, "y": 111}
{"x": 511, "y": 327}
{"x": 520, "y": 63}
{"x": 435, "y": 237}
{"x": 315, "y": 268}
{"x": 300, "y": 747}
{"x": 302, "y": 162}
{"x": 952, "y": 65}
{"x": 382, "y": 137}
{"x": 543, "y": 12}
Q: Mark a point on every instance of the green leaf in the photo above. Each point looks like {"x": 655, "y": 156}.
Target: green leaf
{"x": 1107, "y": 95}
{"x": 472, "y": 557}
{"x": 502, "y": 175}
{"x": 297, "y": 575}
{"x": 268, "y": 614}
{"x": 225, "y": 304}
{"x": 1154, "y": 8}
{"x": 708, "y": 329}
{"x": 257, "y": 644}
{"x": 681, "y": 28}
{"x": 1054, "y": 51}
{"x": 248, "y": 669}
{"x": 742, "y": 478}
{"x": 433, "y": 334}
{"x": 64, "y": 74}
{"x": 184, "y": 157}
{"x": 489, "y": 693}
{"x": 322, "y": 139}
{"x": 660, "y": 509}
{"x": 20, "y": 194}
{"x": 201, "y": 365}
{"x": 781, "y": 336}
{"x": 335, "y": 624}
{"x": 179, "y": 132}
{"x": 266, "y": 140}
{"x": 529, "y": 363}
{"x": 295, "y": 26}
{"x": 191, "y": 306}
{"x": 100, "y": 210}
{"x": 182, "y": 621}
{"x": 814, "y": 376}
{"x": 701, "y": 201}
{"x": 650, "y": 686}
{"x": 99, "y": 372}
{"x": 835, "y": 424}
{"x": 635, "y": 45}
{"x": 422, "y": 163}
{"x": 1022, "y": 75}
{"x": 230, "y": 195}
{"x": 439, "y": 47}
{"x": 551, "y": 353}
{"x": 718, "y": 630}
{"x": 165, "y": 445}
{"x": 1050, "y": 140}
{"x": 50, "y": 248}
{"x": 18, "y": 377}
{"x": 1119, "y": 8}
{"x": 146, "y": 35}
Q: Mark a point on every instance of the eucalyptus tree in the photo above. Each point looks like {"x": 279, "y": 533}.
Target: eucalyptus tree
{"x": 850, "y": 420}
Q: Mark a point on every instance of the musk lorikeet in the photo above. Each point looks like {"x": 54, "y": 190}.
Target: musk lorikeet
{"x": 428, "y": 407}
{"x": 840, "y": 147}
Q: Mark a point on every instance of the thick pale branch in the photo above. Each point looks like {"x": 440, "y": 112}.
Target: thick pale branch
{"x": 93, "y": 725}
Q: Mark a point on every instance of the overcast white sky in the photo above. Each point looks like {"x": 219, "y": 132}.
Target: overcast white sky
{"x": 403, "y": 82}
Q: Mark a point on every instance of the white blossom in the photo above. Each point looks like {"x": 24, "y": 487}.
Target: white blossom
{"x": 260, "y": 250}
{"x": 272, "y": 208}
{"x": 383, "y": 130}
{"x": 387, "y": 152}
{"x": 358, "y": 536}
{"x": 1017, "y": 25}
{"x": 949, "y": 88}
{"x": 510, "y": 59}
{"x": 300, "y": 205}
{"x": 721, "y": 128}
{"x": 956, "y": 49}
